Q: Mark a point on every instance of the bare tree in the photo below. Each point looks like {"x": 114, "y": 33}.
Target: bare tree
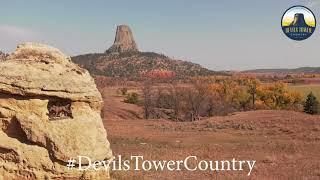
{"x": 148, "y": 100}
{"x": 177, "y": 101}
{"x": 194, "y": 101}
{"x": 253, "y": 86}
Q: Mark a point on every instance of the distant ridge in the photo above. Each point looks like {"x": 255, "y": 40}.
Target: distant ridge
{"x": 305, "y": 70}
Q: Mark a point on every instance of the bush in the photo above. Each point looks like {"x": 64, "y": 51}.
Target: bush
{"x": 132, "y": 98}
{"x": 124, "y": 91}
{"x": 311, "y": 105}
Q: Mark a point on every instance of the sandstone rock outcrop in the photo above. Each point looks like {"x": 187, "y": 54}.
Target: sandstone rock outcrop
{"x": 49, "y": 112}
{"x": 124, "y": 41}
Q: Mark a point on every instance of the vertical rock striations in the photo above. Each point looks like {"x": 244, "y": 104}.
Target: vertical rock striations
{"x": 124, "y": 41}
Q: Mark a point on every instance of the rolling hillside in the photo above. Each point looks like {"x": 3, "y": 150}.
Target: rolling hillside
{"x": 134, "y": 64}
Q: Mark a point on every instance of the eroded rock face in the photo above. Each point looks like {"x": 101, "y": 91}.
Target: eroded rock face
{"x": 124, "y": 41}
{"x": 49, "y": 112}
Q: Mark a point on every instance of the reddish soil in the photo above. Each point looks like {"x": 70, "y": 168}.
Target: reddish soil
{"x": 285, "y": 144}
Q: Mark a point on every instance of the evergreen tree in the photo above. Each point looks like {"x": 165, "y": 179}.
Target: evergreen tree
{"x": 311, "y": 105}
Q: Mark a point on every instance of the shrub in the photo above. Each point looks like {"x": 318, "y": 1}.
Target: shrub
{"x": 311, "y": 105}
{"x": 277, "y": 96}
{"x": 124, "y": 91}
{"x": 132, "y": 98}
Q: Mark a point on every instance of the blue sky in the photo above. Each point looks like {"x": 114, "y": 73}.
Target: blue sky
{"x": 220, "y": 35}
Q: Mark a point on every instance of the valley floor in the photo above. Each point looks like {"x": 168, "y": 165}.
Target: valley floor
{"x": 285, "y": 144}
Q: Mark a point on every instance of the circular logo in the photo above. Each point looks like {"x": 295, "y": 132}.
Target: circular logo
{"x": 298, "y": 23}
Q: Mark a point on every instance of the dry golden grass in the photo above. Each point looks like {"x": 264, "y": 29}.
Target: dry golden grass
{"x": 285, "y": 144}
{"x": 306, "y": 89}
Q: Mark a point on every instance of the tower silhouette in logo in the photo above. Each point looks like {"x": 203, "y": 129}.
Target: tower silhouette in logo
{"x": 299, "y": 21}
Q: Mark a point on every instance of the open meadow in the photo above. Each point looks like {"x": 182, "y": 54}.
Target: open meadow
{"x": 306, "y": 89}
{"x": 285, "y": 144}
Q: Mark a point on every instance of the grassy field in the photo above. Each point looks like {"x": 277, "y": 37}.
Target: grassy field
{"x": 285, "y": 144}
{"x": 306, "y": 89}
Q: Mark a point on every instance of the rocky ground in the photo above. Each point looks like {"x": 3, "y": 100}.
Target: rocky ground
{"x": 285, "y": 144}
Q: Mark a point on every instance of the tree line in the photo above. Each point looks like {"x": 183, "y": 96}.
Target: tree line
{"x": 217, "y": 96}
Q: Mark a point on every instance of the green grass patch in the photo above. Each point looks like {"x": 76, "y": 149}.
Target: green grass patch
{"x": 306, "y": 89}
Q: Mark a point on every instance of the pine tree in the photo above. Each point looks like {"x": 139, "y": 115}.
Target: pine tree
{"x": 311, "y": 105}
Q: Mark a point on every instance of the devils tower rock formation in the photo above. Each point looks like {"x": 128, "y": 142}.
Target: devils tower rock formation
{"x": 124, "y": 60}
{"x": 124, "y": 41}
{"x": 49, "y": 113}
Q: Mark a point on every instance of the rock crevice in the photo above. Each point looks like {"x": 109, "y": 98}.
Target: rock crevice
{"x": 3, "y": 56}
